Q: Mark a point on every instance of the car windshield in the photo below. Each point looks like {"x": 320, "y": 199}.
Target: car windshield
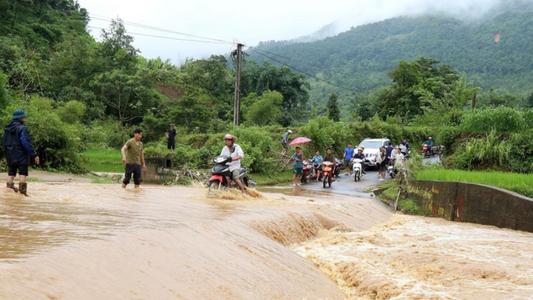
{"x": 371, "y": 144}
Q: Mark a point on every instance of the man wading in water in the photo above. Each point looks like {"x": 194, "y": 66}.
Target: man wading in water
{"x": 18, "y": 148}
{"x": 132, "y": 157}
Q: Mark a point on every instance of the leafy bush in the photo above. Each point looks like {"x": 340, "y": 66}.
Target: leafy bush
{"x": 491, "y": 149}
{"x": 56, "y": 142}
{"x": 500, "y": 119}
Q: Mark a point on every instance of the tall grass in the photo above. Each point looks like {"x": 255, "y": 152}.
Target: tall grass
{"x": 102, "y": 160}
{"x": 519, "y": 183}
{"x": 501, "y": 119}
{"x": 492, "y": 148}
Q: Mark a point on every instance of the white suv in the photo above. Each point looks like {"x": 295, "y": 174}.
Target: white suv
{"x": 372, "y": 149}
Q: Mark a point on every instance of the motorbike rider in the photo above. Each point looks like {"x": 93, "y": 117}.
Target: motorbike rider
{"x": 331, "y": 158}
{"x": 429, "y": 142}
{"x": 317, "y": 159}
{"x": 406, "y": 145}
{"x": 235, "y": 152}
{"x": 403, "y": 148}
{"x": 317, "y": 162}
{"x": 361, "y": 156}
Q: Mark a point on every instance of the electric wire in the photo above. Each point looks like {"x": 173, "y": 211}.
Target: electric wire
{"x": 289, "y": 58}
{"x": 163, "y": 37}
{"x": 296, "y": 69}
{"x": 134, "y": 24}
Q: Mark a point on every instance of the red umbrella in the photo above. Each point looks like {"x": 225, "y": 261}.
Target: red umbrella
{"x": 300, "y": 140}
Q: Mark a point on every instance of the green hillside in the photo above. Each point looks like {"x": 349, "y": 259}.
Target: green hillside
{"x": 362, "y": 57}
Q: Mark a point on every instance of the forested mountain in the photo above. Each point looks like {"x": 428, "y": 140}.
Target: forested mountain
{"x": 495, "y": 52}
{"x": 49, "y": 62}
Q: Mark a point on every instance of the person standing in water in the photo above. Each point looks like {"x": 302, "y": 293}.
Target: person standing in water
{"x": 18, "y": 148}
{"x": 133, "y": 158}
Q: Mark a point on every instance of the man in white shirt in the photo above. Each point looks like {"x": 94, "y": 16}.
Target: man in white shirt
{"x": 235, "y": 152}
{"x": 400, "y": 159}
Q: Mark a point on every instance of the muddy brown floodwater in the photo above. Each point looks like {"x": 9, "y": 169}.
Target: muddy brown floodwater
{"x": 85, "y": 241}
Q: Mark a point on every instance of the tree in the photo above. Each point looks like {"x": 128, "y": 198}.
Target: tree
{"x": 127, "y": 96}
{"x": 194, "y": 112}
{"x": 72, "y": 112}
{"x": 333, "y": 108}
{"x": 265, "y": 110}
{"x": 116, "y": 50}
{"x": 415, "y": 85}
{"x": 529, "y": 101}
{"x": 3, "y": 93}
{"x": 268, "y": 77}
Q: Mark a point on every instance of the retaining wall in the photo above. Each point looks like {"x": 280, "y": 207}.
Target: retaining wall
{"x": 475, "y": 203}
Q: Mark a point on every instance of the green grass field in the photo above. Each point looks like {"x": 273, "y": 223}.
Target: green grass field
{"x": 519, "y": 183}
{"x": 272, "y": 179}
{"x": 106, "y": 160}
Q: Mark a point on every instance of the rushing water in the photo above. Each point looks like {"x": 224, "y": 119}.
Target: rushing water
{"x": 84, "y": 241}
{"x": 419, "y": 258}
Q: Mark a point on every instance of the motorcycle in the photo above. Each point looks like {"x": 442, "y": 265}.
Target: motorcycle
{"x": 426, "y": 151}
{"x": 357, "y": 168}
{"x": 307, "y": 171}
{"x": 327, "y": 173}
{"x": 338, "y": 167}
{"x": 221, "y": 177}
{"x": 317, "y": 172}
{"x": 391, "y": 170}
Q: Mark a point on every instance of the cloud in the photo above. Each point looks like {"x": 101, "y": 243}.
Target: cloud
{"x": 250, "y": 22}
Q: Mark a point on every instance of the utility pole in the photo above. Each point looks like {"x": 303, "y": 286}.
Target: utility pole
{"x": 237, "y": 104}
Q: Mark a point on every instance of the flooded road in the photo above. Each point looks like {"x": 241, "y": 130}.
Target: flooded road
{"x": 86, "y": 241}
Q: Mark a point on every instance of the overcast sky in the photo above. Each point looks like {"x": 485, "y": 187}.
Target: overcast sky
{"x": 252, "y": 21}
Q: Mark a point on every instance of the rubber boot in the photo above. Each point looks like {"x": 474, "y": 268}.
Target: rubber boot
{"x": 11, "y": 185}
{"x": 23, "y": 188}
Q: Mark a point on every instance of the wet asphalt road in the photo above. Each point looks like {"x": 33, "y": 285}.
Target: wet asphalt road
{"x": 344, "y": 184}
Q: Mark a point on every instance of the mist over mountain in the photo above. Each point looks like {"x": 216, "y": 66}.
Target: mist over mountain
{"x": 495, "y": 51}
{"x": 466, "y": 10}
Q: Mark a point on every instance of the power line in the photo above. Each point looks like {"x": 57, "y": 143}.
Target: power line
{"x": 103, "y": 18}
{"x": 305, "y": 63}
{"x": 289, "y": 58}
{"x": 164, "y": 37}
{"x": 285, "y": 64}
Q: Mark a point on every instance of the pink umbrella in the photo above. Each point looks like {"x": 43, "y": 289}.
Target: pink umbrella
{"x": 300, "y": 140}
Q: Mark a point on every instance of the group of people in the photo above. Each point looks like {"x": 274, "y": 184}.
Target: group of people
{"x": 388, "y": 155}
{"x": 298, "y": 158}
{"x": 19, "y": 149}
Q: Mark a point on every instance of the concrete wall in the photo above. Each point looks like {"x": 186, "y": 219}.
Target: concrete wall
{"x": 475, "y": 203}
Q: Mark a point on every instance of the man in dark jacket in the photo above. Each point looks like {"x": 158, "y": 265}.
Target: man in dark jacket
{"x": 18, "y": 149}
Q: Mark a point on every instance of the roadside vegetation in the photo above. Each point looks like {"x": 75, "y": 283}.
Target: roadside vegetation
{"x": 519, "y": 183}
{"x": 85, "y": 97}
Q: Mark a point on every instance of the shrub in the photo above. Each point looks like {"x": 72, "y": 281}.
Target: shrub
{"x": 56, "y": 142}
{"x": 500, "y": 119}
